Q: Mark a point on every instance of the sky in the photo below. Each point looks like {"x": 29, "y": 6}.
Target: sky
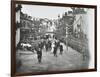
{"x": 41, "y": 11}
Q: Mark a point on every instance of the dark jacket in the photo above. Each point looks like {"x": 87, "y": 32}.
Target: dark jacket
{"x": 61, "y": 48}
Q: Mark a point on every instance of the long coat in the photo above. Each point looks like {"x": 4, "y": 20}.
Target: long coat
{"x": 61, "y": 48}
{"x": 55, "y": 49}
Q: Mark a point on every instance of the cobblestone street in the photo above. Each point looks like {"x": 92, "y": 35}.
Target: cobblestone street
{"x": 69, "y": 60}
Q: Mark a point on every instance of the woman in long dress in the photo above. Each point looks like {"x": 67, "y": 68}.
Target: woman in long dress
{"x": 52, "y": 46}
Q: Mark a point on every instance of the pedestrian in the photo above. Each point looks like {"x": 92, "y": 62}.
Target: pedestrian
{"x": 52, "y": 46}
{"x": 58, "y": 44}
{"x": 40, "y": 45}
{"x": 55, "y": 51}
{"x": 39, "y": 55}
{"x": 47, "y": 45}
{"x": 61, "y": 49}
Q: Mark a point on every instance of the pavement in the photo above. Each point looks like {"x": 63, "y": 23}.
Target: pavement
{"x": 69, "y": 60}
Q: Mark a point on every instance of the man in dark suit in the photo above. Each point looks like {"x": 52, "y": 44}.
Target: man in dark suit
{"x": 55, "y": 50}
{"x": 39, "y": 55}
{"x": 61, "y": 49}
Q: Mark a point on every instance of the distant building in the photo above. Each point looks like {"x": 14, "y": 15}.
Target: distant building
{"x": 27, "y": 32}
{"x": 67, "y": 21}
{"x": 80, "y": 26}
{"x": 26, "y": 21}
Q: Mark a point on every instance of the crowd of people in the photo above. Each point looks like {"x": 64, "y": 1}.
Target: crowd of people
{"x": 50, "y": 45}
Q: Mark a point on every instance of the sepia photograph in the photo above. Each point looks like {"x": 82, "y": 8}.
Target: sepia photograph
{"x": 51, "y": 37}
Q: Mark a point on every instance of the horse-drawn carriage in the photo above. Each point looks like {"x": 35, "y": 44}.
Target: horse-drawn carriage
{"x": 28, "y": 45}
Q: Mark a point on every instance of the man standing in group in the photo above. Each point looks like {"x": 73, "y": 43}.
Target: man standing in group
{"x": 55, "y": 50}
{"x": 39, "y": 54}
{"x": 61, "y": 49}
